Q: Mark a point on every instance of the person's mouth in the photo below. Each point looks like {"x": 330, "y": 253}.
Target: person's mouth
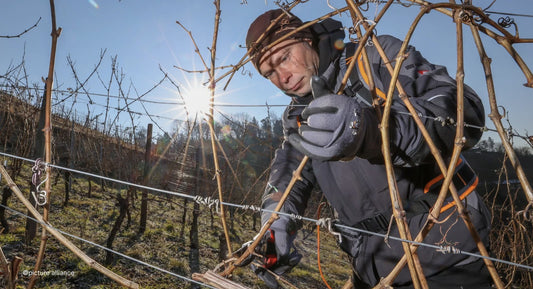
{"x": 296, "y": 86}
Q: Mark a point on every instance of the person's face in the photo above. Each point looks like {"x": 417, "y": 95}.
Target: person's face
{"x": 289, "y": 65}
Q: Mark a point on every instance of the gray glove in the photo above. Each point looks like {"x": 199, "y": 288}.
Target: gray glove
{"x": 331, "y": 125}
{"x": 280, "y": 256}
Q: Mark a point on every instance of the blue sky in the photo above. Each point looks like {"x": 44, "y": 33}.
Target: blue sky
{"x": 144, "y": 36}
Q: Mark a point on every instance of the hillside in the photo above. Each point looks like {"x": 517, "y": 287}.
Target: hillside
{"x": 183, "y": 236}
{"x": 165, "y": 244}
{"x": 90, "y": 208}
{"x": 492, "y": 173}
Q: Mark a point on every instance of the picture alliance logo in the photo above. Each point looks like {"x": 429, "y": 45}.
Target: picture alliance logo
{"x": 30, "y": 273}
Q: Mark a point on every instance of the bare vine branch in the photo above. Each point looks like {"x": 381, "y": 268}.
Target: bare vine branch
{"x": 48, "y": 140}
{"x": 23, "y": 32}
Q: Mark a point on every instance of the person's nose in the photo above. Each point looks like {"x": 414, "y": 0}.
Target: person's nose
{"x": 284, "y": 74}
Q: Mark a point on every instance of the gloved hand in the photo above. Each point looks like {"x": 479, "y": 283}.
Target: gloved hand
{"x": 331, "y": 125}
{"x": 280, "y": 256}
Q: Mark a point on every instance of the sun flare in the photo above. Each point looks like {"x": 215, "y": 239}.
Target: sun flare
{"x": 197, "y": 98}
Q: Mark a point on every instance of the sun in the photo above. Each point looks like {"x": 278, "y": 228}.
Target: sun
{"x": 197, "y": 98}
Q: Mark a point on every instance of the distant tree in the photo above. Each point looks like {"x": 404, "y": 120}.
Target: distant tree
{"x": 523, "y": 151}
{"x": 140, "y": 136}
{"x": 277, "y": 130}
{"x": 487, "y": 145}
{"x": 252, "y": 132}
{"x": 163, "y": 143}
{"x": 266, "y": 128}
{"x": 498, "y": 147}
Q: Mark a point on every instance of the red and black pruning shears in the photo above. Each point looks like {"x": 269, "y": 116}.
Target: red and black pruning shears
{"x": 270, "y": 257}
{"x": 266, "y": 251}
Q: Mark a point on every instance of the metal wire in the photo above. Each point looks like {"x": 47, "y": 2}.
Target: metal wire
{"x": 107, "y": 249}
{"x": 484, "y": 128}
{"x": 436, "y": 247}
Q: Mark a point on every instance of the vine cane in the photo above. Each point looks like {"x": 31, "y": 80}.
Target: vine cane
{"x": 296, "y": 175}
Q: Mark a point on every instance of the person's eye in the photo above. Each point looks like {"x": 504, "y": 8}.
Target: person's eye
{"x": 285, "y": 57}
{"x": 268, "y": 75}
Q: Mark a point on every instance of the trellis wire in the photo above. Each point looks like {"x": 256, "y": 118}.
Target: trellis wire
{"x": 107, "y": 249}
{"x": 208, "y": 200}
{"x": 266, "y": 105}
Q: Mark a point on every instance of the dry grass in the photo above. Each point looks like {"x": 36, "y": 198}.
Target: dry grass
{"x": 92, "y": 219}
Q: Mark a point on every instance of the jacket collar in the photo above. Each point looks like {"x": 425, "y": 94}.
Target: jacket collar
{"x": 326, "y": 33}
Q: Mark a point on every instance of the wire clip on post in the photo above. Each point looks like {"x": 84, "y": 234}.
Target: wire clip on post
{"x": 40, "y": 196}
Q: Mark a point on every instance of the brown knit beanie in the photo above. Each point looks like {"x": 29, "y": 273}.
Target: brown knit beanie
{"x": 285, "y": 25}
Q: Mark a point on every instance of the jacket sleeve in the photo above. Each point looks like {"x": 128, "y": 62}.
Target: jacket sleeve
{"x": 433, "y": 94}
{"x": 285, "y": 162}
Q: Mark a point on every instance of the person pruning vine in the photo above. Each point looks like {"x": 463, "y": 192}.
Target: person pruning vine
{"x": 340, "y": 135}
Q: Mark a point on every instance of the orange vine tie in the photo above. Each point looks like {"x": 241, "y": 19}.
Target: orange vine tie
{"x": 318, "y": 246}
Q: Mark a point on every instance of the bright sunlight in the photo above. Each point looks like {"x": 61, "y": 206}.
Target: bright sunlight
{"x": 197, "y": 98}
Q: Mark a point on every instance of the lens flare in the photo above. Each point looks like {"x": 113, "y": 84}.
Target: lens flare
{"x": 93, "y": 2}
{"x": 227, "y": 132}
{"x": 339, "y": 44}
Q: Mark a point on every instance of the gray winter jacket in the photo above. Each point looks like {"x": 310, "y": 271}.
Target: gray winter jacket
{"x": 357, "y": 189}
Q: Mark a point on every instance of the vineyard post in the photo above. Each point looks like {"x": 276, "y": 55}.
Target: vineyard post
{"x": 144, "y": 201}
